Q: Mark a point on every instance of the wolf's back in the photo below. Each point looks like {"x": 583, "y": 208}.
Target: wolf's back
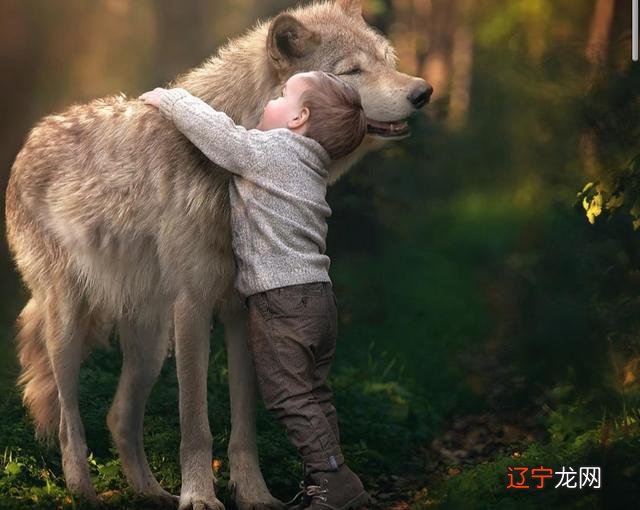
{"x": 99, "y": 197}
{"x": 68, "y": 179}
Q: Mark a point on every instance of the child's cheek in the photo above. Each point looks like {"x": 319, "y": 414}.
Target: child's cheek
{"x": 270, "y": 113}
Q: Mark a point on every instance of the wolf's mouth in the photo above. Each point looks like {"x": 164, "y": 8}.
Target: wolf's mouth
{"x": 395, "y": 129}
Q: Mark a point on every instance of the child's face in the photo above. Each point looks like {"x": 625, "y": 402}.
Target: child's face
{"x": 287, "y": 111}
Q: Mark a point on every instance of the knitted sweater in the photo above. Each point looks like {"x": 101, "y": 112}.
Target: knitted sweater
{"x": 277, "y": 194}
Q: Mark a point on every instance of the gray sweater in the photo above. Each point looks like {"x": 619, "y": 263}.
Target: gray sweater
{"x": 278, "y": 206}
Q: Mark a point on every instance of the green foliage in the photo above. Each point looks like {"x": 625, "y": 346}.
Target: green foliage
{"x": 611, "y": 109}
{"x": 619, "y": 194}
{"x": 614, "y": 449}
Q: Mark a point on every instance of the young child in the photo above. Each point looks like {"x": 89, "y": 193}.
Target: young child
{"x": 278, "y": 220}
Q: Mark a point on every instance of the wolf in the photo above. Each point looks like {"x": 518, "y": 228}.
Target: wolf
{"x": 116, "y": 221}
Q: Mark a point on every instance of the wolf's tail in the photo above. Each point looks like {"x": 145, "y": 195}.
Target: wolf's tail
{"x": 39, "y": 390}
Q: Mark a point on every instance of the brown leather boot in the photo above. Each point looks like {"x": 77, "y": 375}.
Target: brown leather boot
{"x": 336, "y": 490}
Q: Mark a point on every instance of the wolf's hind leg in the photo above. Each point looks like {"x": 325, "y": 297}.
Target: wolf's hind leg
{"x": 144, "y": 349}
{"x": 247, "y": 485}
{"x": 66, "y": 326}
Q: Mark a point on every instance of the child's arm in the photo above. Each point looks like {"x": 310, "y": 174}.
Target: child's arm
{"x": 230, "y": 146}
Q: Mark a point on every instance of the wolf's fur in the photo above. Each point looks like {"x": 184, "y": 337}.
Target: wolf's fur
{"x": 115, "y": 220}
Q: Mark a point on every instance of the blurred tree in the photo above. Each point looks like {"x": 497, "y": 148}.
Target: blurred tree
{"x": 599, "y": 32}
{"x": 461, "y": 67}
{"x": 596, "y": 54}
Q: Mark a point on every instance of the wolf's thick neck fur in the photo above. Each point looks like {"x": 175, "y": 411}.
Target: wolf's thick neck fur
{"x": 247, "y": 61}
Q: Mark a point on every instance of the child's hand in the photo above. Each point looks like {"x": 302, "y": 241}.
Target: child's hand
{"x": 153, "y": 96}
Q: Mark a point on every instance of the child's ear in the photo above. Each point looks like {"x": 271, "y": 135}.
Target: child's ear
{"x": 300, "y": 119}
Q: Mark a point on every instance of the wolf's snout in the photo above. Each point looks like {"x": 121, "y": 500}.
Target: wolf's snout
{"x": 420, "y": 95}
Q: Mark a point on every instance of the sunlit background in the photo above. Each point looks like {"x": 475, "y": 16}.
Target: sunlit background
{"x": 488, "y": 314}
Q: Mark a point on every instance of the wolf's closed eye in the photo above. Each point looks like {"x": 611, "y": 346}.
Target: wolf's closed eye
{"x": 353, "y": 70}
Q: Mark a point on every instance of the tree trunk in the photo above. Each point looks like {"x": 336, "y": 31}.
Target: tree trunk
{"x": 598, "y": 44}
{"x": 595, "y": 53}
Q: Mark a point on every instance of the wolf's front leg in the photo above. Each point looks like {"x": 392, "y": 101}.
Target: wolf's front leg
{"x": 247, "y": 486}
{"x": 192, "y": 322}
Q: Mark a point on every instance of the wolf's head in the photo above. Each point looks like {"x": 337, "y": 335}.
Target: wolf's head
{"x": 333, "y": 37}
{"x": 327, "y": 36}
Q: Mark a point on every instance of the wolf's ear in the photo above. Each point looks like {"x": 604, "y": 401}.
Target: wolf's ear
{"x": 351, "y": 7}
{"x": 289, "y": 39}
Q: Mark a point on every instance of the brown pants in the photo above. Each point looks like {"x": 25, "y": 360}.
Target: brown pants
{"x": 292, "y": 338}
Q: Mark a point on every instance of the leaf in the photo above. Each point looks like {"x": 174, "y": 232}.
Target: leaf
{"x": 587, "y": 187}
{"x": 593, "y": 207}
{"x": 13, "y": 468}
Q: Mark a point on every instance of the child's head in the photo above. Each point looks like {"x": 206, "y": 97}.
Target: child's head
{"x": 321, "y": 106}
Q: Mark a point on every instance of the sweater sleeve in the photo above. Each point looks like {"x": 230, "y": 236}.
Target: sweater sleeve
{"x": 232, "y": 147}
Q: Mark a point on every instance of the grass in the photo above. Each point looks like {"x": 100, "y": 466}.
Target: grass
{"x": 31, "y": 475}
{"x": 615, "y": 450}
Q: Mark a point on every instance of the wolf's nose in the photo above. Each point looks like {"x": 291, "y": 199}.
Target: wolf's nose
{"x": 420, "y": 95}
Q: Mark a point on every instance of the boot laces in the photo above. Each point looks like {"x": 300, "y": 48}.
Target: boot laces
{"x": 295, "y": 498}
{"x": 317, "y": 491}
{"x": 310, "y": 491}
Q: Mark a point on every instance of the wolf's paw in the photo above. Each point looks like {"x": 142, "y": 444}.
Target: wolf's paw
{"x": 194, "y": 502}
{"x": 253, "y": 499}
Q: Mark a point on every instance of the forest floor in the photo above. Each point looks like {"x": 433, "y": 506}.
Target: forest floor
{"x": 505, "y": 428}
{"x": 406, "y": 458}
{"x": 31, "y": 478}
